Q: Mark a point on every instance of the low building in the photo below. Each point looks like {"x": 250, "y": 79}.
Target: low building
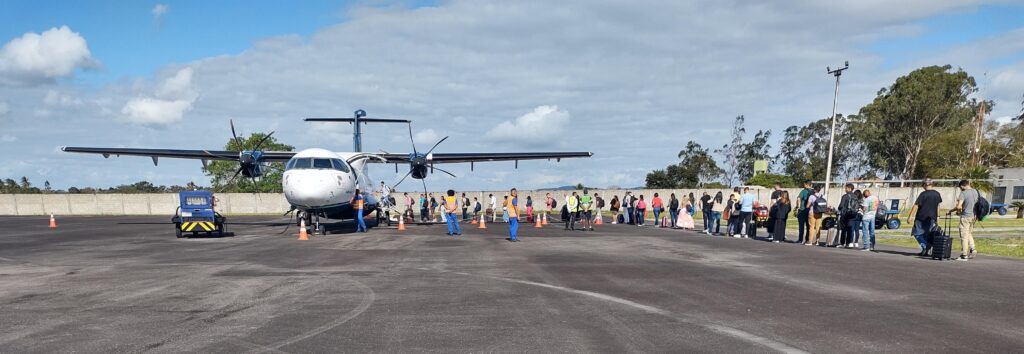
{"x": 1009, "y": 185}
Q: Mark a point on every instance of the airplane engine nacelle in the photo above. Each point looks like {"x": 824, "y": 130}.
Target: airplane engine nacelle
{"x": 419, "y": 171}
{"x": 251, "y": 170}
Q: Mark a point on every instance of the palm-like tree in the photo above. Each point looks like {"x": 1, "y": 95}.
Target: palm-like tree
{"x": 1020, "y": 209}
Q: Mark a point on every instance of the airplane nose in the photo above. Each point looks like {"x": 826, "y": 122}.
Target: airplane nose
{"x": 308, "y": 190}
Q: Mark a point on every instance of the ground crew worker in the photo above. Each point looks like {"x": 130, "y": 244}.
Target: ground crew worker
{"x": 357, "y": 203}
{"x": 451, "y": 206}
{"x": 512, "y": 204}
{"x": 572, "y": 205}
{"x": 586, "y": 204}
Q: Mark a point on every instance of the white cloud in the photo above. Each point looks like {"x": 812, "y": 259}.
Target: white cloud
{"x": 174, "y": 97}
{"x": 542, "y": 126}
{"x": 54, "y": 98}
{"x": 4, "y": 108}
{"x": 159, "y": 10}
{"x": 426, "y": 138}
{"x": 34, "y": 57}
{"x": 7, "y": 138}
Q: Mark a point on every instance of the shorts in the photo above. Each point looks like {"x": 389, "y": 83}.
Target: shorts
{"x": 588, "y": 214}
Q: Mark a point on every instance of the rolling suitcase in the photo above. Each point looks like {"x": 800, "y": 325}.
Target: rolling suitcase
{"x": 942, "y": 242}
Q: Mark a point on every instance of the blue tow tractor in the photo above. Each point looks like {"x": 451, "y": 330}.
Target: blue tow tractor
{"x": 195, "y": 214}
{"x": 889, "y": 215}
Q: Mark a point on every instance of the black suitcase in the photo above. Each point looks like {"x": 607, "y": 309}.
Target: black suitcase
{"x": 942, "y": 243}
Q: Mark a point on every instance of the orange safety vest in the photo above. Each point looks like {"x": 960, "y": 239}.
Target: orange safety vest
{"x": 513, "y": 212}
{"x": 359, "y": 202}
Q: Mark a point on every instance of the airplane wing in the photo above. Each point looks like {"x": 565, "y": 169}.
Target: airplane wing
{"x": 484, "y": 157}
{"x": 268, "y": 156}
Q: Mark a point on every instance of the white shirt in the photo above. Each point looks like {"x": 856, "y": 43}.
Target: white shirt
{"x": 494, "y": 202}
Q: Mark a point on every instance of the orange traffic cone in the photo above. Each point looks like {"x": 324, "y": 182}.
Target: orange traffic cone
{"x": 401, "y": 223}
{"x": 538, "y": 222}
{"x": 545, "y": 218}
{"x": 303, "y": 236}
{"x": 598, "y": 220}
{"x": 473, "y": 221}
{"x": 483, "y": 224}
{"x": 53, "y": 222}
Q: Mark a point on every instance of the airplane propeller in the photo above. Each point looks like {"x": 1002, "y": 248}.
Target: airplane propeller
{"x": 419, "y": 164}
{"x": 250, "y": 162}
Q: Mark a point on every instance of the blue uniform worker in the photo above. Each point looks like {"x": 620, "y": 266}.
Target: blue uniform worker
{"x": 357, "y": 203}
{"x": 451, "y": 205}
{"x": 512, "y": 204}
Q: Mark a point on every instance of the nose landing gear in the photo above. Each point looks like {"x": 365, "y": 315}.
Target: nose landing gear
{"x": 313, "y": 223}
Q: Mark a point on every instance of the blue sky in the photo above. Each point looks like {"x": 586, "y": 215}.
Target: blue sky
{"x": 466, "y": 69}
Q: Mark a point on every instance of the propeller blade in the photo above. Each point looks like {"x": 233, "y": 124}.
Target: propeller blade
{"x": 413, "y": 141}
{"x": 401, "y": 180}
{"x": 238, "y": 142}
{"x": 435, "y": 145}
{"x": 265, "y": 138}
{"x": 449, "y": 173}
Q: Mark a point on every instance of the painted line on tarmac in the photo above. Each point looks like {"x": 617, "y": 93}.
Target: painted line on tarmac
{"x": 368, "y": 298}
{"x": 730, "y": 331}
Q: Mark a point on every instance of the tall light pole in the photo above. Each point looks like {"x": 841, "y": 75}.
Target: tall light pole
{"x": 832, "y": 137}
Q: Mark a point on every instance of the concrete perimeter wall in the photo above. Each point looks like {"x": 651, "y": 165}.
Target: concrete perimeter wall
{"x": 273, "y": 203}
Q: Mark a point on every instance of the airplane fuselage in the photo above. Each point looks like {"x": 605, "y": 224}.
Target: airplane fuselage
{"x": 323, "y": 182}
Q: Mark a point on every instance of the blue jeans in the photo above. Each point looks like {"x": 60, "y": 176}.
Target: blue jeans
{"x": 674, "y": 214}
{"x": 630, "y": 215}
{"x": 804, "y": 225}
{"x": 920, "y": 232}
{"x": 513, "y": 228}
{"x": 854, "y": 227}
{"x": 453, "y": 224}
{"x": 868, "y": 231}
{"x": 716, "y": 219}
{"x": 360, "y": 224}
{"x": 657, "y": 216}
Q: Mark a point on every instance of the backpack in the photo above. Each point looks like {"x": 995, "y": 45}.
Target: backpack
{"x": 982, "y": 208}
{"x": 600, "y": 202}
{"x": 554, "y": 204}
{"x": 852, "y": 205}
{"x": 820, "y": 205}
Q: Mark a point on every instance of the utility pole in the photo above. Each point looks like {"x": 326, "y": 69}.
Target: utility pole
{"x": 832, "y": 137}
{"x": 979, "y": 125}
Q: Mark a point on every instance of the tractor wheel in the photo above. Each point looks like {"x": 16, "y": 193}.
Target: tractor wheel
{"x": 893, "y": 224}
{"x": 220, "y": 230}
{"x": 177, "y": 231}
{"x": 1002, "y": 211}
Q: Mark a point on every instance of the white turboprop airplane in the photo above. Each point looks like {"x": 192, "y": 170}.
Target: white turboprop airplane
{"x": 321, "y": 183}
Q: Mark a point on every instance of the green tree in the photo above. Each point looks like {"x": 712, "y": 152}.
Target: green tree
{"x": 770, "y": 179}
{"x": 915, "y": 109}
{"x": 696, "y": 167}
{"x": 221, "y": 172}
{"x": 803, "y": 152}
{"x": 757, "y": 149}
{"x": 732, "y": 151}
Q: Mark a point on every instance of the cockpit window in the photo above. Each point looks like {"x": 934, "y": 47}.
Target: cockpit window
{"x": 299, "y": 164}
{"x": 322, "y": 164}
{"x": 340, "y": 165}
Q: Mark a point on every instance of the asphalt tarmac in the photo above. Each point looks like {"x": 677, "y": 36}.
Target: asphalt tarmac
{"x": 126, "y": 285}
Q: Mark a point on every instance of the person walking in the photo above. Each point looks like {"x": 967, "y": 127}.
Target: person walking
{"x": 512, "y": 205}
{"x": 600, "y": 207}
{"x": 548, "y": 203}
{"x": 586, "y": 205}
{"x": 926, "y": 215}
{"x": 629, "y": 203}
{"x": 433, "y": 207}
{"x": 641, "y": 210}
{"x": 781, "y": 208}
{"x": 803, "y": 225}
{"x": 858, "y": 197}
{"x": 465, "y": 207}
{"x": 657, "y": 206}
{"x": 529, "y": 208}
{"x": 358, "y": 202}
{"x": 673, "y": 210}
{"x": 613, "y": 207}
{"x": 848, "y": 207}
{"x": 966, "y": 204}
{"x": 451, "y": 206}
{"x": 870, "y": 208}
{"x": 814, "y": 217}
{"x": 717, "y": 208}
{"x": 476, "y": 208}
{"x": 572, "y": 205}
{"x": 504, "y": 209}
{"x": 732, "y": 213}
{"x": 746, "y": 212}
{"x": 493, "y": 210}
{"x": 705, "y": 211}
{"x": 424, "y": 204}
